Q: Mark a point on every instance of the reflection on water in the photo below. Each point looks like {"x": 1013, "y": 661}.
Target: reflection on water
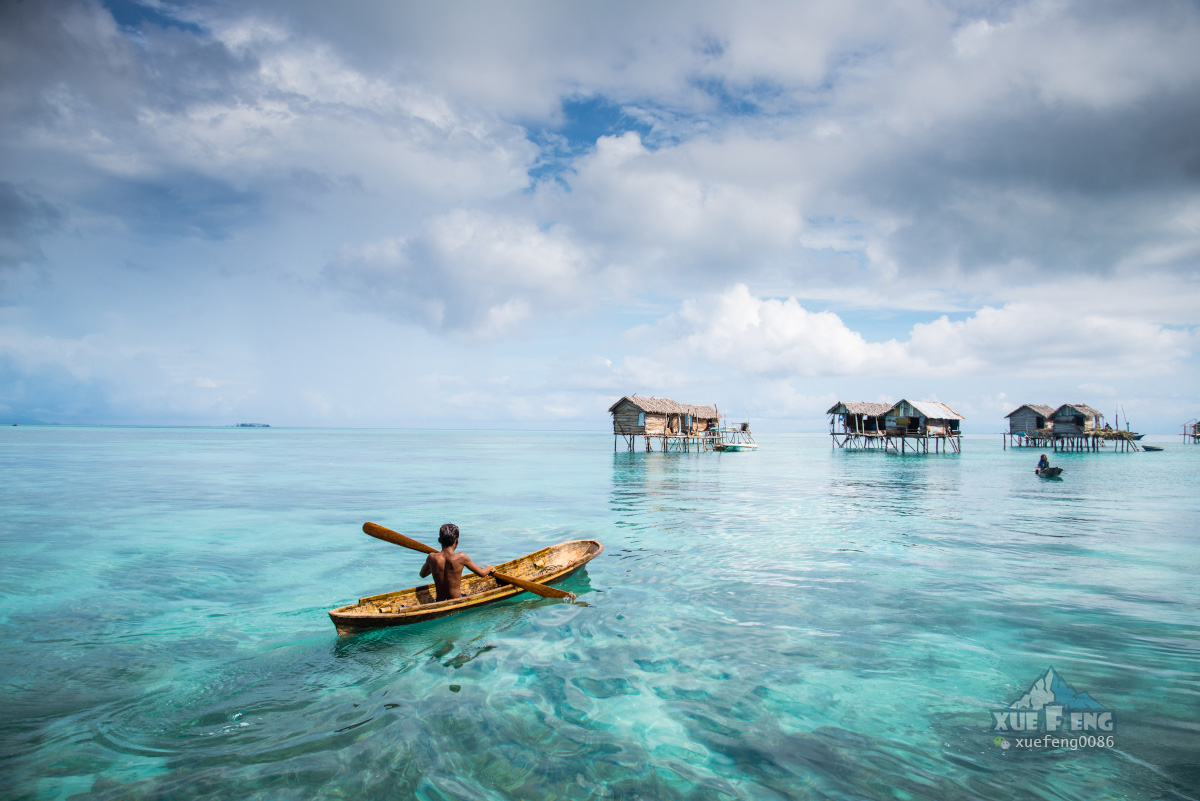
{"x": 795, "y": 622}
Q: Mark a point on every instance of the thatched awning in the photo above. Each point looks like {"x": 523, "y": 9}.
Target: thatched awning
{"x": 860, "y": 407}
{"x": 667, "y": 406}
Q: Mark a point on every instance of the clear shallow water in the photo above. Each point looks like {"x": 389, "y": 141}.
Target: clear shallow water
{"x": 793, "y": 623}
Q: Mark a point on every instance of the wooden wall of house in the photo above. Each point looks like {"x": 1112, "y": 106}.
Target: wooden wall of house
{"x": 1024, "y": 421}
{"x": 913, "y": 420}
{"x": 625, "y": 419}
{"x": 1067, "y": 423}
{"x": 656, "y": 423}
{"x": 677, "y": 423}
{"x": 917, "y": 423}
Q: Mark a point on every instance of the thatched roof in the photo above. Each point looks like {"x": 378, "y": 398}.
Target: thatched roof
{"x": 933, "y": 410}
{"x": 860, "y": 407}
{"x": 667, "y": 406}
{"x": 1040, "y": 408}
{"x": 1082, "y": 408}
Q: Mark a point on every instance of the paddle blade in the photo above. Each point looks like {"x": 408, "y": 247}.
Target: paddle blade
{"x": 534, "y": 587}
{"x": 395, "y": 537}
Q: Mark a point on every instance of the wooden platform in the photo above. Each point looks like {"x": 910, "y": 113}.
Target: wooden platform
{"x": 1089, "y": 442}
{"x": 898, "y": 443}
{"x": 677, "y": 443}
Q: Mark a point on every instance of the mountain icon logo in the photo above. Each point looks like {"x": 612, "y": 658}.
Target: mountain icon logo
{"x": 1050, "y": 688}
{"x": 1051, "y": 704}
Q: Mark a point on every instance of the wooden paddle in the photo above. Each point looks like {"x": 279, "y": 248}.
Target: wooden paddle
{"x": 396, "y": 538}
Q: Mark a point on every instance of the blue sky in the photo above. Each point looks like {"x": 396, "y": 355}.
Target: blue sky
{"x": 409, "y": 214}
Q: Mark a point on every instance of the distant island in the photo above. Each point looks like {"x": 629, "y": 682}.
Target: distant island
{"x": 252, "y": 425}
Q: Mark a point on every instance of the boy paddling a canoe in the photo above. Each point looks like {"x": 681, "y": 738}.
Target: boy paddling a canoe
{"x": 447, "y": 565}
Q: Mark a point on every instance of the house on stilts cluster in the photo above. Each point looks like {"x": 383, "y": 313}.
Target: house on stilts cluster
{"x": 858, "y": 424}
{"x": 672, "y": 426}
{"x": 1070, "y": 427}
{"x": 1191, "y": 431}
{"x": 904, "y": 427}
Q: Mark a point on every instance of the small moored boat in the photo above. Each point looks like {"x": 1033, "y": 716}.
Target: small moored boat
{"x": 1152, "y": 447}
{"x": 738, "y": 438}
{"x": 1050, "y": 472}
{"x": 416, "y": 604}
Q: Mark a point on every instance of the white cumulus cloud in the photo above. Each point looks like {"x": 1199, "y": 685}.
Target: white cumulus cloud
{"x": 465, "y": 272}
{"x": 773, "y": 337}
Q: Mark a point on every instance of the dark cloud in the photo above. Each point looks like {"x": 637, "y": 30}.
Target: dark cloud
{"x": 1060, "y": 189}
{"x": 83, "y": 89}
{"x": 24, "y": 218}
{"x": 186, "y": 204}
{"x": 1075, "y": 147}
{"x": 50, "y": 50}
{"x": 63, "y": 59}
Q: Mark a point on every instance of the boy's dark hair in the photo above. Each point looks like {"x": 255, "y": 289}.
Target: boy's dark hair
{"x": 448, "y": 535}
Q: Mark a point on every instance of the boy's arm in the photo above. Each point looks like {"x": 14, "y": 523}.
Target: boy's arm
{"x": 426, "y": 568}
{"x": 476, "y": 569}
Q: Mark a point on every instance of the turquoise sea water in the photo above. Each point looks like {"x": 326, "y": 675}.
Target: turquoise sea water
{"x": 798, "y": 622}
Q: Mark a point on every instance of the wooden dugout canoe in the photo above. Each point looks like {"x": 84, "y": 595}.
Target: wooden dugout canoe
{"x": 416, "y": 604}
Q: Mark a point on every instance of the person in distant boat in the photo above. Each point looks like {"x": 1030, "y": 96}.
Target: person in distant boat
{"x": 1043, "y": 463}
{"x": 447, "y": 565}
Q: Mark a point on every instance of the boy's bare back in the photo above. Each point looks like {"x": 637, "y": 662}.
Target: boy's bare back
{"x": 447, "y": 565}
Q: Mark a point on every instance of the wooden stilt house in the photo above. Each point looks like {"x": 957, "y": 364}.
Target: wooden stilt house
{"x": 676, "y": 426}
{"x": 1029, "y": 426}
{"x": 1070, "y": 427}
{"x": 924, "y": 422}
{"x": 1191, "y": 431}
{"x": 908, "y": 426}
{"x": 858, "y": 424}
{"x": 1075, "y": 419}
{"x": 1076, "y": 427}
{"x": 1032, "y": 418}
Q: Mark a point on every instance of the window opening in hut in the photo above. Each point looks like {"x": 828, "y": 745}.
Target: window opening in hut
{"x": 641, "y": 419}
